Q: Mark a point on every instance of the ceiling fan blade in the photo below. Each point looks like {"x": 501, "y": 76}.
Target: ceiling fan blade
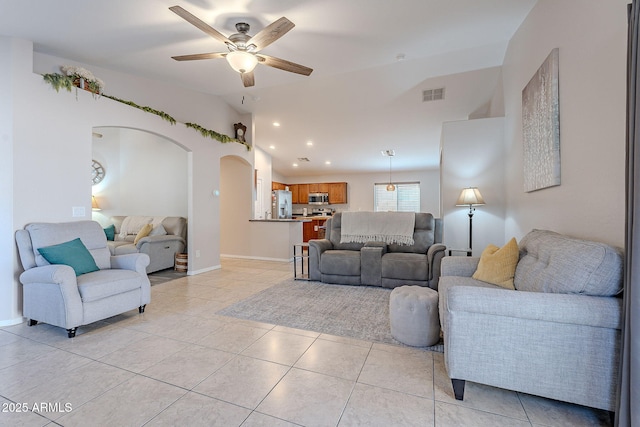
{"x": 283, "y": 64}
{"x": 194, "y": 20}
{"x": 271, "y": 33}
{"x": 196, "y": 56}
{"x": 247, "y": 79}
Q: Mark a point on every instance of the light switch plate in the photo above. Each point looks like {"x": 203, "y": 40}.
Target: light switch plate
{"x": 77, "y": 211}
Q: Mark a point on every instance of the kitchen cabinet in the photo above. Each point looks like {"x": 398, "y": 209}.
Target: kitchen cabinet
{"x": 318, "y": 187}
{"x": 303, "y": 194}
{"x": 278, "y": 186}
{"x": 311, "y": 229}
{"x": 337, "y": 193}
{"x": 294, "y": 193}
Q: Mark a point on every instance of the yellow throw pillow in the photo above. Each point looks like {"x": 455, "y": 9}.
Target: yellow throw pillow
{"x": 498, "y": 265}
{"x": 144, "y": 232}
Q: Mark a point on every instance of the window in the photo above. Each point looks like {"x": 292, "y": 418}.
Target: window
{"x": 406, "y": 198}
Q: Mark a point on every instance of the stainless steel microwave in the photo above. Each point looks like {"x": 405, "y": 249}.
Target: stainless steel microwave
{"x": 318, "y": 198}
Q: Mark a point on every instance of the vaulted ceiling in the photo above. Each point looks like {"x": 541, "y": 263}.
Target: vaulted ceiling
{"x": 372, "y": 60}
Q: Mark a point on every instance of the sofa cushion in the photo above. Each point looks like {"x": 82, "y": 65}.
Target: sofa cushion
{"x": 144, "y": 232}
{"x": 340, "y": 262}
{"x": 110, "y": 232}
{"x": 122, "y": 248}
{"x": 551, "y": 262}
{"x": 91, "y": 233}
{"x": 158, "y": 230}
{"x": 405, "y": 266}
{"x": 498, "y": 265}
{"x": 423, "y": 235}
{"x": 106, "y": 283}
{"x": 334, "y": 234}
{"x": 72, "y": 253}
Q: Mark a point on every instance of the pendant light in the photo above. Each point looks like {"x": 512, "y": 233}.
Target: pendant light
{"x": 390, "y": 154}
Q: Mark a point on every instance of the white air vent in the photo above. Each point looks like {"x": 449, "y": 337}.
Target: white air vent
{"x": 432, "y": 94}
{"x": 303, "y": 159}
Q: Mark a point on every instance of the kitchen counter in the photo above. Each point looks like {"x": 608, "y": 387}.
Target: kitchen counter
{"x": 312, "y": 217}
{"x": 272, "y": 239}
{"x": 281, "y": 220}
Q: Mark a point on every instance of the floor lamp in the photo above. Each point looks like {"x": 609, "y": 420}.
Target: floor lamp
{"x": 470, "y": 197}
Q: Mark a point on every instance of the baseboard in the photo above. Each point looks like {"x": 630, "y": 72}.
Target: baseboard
{"x": 256, "y": 258}
{"x": 11, "y": 322}
{"x": 203, "y": 270}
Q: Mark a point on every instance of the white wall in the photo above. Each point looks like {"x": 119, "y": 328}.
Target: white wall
{"x": 236, "y": 182}
{"x": 473, "y": 156}
{"x": 263, "y": 173}
{"x": 51, "y": 140}
{"x": 591, "y": 36}
{"x": 146, "y": 174}
{"x": 360, "y": 188}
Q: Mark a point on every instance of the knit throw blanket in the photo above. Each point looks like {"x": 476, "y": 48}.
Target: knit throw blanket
{"x": 388, "y": 227}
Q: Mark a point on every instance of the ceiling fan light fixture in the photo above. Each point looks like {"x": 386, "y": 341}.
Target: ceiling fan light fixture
{"x": 242, "y": 62}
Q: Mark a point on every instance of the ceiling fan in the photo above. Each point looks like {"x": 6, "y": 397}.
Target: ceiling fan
{"x": 243, "y": 53}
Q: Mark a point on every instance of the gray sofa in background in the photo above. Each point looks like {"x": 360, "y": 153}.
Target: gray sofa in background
{"x": 557, "y": 335}
{"x": 161, "y": 247}
{"x": 53, "y": 294}
{"x": 377, "y": 263}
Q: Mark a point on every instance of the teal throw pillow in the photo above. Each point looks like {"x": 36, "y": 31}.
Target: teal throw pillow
{"x": 73, "y": 253}
{"x": 110, "y": 232}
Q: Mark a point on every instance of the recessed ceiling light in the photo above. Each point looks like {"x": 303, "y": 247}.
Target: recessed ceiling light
{"x": 309, "y": 142}
{"x": 327, "y": 162}
{"x": 273, "y": 147}
{"x": 276, "y": 124}
{"x": 295, "y": 165}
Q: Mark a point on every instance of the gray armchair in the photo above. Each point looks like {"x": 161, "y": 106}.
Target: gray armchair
{"x": 557, "y": 335}
{"x": 53, "y": 294}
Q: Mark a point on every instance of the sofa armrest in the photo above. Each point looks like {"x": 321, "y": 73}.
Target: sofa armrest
{"x": 371, "y": 264}
{"x": 51, "y": 295}
{"x": 435, "y": 253}
{"x": 316, "y": 248}
{"x": 159, "y": 240}
{"x": 54, "y": 273}
{"x": 135, "y": 262}
{"x": 459, "y": 266}
{"x": 383, "y": 245}
{"x": 573, "y": 309}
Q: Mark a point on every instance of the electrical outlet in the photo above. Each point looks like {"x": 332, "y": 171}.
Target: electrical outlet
{"x": 197, "y": 253}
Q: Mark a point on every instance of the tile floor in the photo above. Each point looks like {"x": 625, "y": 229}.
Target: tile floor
{"x": 181, "y": 364}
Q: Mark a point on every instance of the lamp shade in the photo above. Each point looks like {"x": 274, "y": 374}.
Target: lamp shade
{"x": 470, "y": 197}
{"x": 242, "y": 62}
{"x": 94, "y": 204}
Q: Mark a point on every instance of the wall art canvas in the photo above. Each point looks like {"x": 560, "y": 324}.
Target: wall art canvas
{"x": 541, "y": 127}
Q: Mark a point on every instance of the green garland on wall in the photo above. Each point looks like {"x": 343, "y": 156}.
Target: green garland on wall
{"x": 60, "y": 81}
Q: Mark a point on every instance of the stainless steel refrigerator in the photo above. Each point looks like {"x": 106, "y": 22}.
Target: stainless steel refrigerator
{"x": 281, "y": 204}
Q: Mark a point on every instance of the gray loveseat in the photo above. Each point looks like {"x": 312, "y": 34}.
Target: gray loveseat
{"x": 377, "y": 263}
{"x": 557, "y": 335}
{"x": 168, "y": 237}
{"x": 53, "y": 294}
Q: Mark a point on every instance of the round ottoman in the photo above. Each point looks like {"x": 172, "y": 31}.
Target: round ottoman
{"x": 413, "y": 314}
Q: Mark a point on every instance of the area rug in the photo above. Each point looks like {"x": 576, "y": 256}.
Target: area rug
{"x": 360, "y": 312}
{"x": 163, "y": 276}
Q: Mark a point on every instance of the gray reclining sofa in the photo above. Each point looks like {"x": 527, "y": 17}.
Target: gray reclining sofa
{"x": 377, "y": 263}
{"x": 161, "y": 247}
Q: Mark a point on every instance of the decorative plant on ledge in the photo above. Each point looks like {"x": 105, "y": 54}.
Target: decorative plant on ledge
{"x": 84, "y": 79}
